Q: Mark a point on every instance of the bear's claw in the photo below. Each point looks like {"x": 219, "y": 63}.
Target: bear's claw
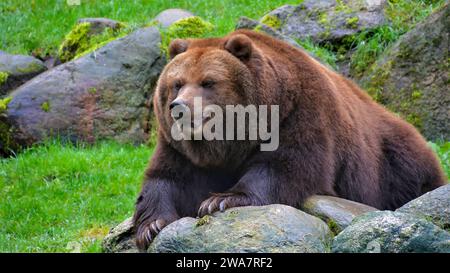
{"x": 221, "y": 202}
{"x": 147, "y": 232}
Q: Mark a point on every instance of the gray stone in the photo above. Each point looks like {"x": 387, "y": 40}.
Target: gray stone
{"x": 19, "y": 69}
{"x": 338, "y": 213}
{"x": 247, "y": 23}
{"x": 272, "y": 228}
{"x": 170, "y": 16}
{"x": 98, "y": 25}
{"x": 102, "y": 95}
{"x": 434, "y": 206}
{"x": 393, "y": 232}
{"x": 411, "y": 78}
{"x": 120, "y": 239}
{"x": 329, "y": 20}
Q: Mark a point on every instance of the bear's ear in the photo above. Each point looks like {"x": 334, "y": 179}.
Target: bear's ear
{"x": 177, "y": 46}
{"x": 240, "y": 46}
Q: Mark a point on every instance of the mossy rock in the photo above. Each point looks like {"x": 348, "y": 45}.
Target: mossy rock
{"x": 267, "y": 229}
{"x": 15, "y": 70}
{"x": 391, "y": 232}
{"x": 102, "y": 95}
{"x": 411, "y": 78}
{"x": 327, "y": 21}
{"x": 190, "y": 27}
{"x": 86, "y": 37}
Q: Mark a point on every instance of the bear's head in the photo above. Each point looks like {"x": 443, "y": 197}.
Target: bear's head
{"x": 220, "y": 71}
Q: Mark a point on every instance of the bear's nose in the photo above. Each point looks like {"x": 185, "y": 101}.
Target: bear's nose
{"x": 176, "y": 103}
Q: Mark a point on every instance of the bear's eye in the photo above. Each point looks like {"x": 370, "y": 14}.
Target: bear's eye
{"x": 177, "y": 86}
{"x": 208, "y": 84}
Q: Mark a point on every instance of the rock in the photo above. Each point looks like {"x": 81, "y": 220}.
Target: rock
{"x": 434, "y": 206}
{"x": 120, "y": 239}
{"x": 88, "y": 34}
{"x": 393, "y": 232}
{"x": 170, "y": 16}
{"x": 247, "y": 23}
{"x": 327, "y": 20}
{"x": 272, "y": 228}
{"x": 338, "y": 213}
{"x": 15, "y": 70}
{"x": 98, "y": 25}
{"x": 411, "y": 78}
{"x": 105, "y": 94}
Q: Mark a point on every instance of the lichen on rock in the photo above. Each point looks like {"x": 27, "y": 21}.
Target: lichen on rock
{"x": 190, "y": 27}
{"x": 271, "y": 21}
{"x": 4, "y": 104}
{"x": 7, "y": 143}
{"x": 82, "y": 40}
{"x": 3, "y": 77}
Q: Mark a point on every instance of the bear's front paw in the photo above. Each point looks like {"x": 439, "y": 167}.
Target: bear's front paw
{"x": 147, "y": 231}
{"x": 222, "y": 201}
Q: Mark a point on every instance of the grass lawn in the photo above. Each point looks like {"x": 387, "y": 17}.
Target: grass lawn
{"x": 40, "y": 25}
{"x": 55, "y": 197}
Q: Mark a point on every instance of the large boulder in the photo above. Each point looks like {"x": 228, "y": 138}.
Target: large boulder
{"x": 104, "y": 94}
{"x": 169, "y": 16}
{"x": 434, "y": 206}
{"x": 326, "y": 20}
{"x": 393, "y": 232}
{"x": 338, "y": 213}
{"x": 412, "y": 77}
{"x": 15, "y": 70}
{"x": 272, "y": 228}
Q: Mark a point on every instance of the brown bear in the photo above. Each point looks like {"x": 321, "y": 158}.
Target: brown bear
{"x": 333, "y": 138}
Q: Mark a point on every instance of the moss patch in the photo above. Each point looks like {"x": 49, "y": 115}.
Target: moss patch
{"x": 352, "y": 22}
{"x": 3, "y": 77}
{"x": 6, "y": 140}
{"x": 190, "y": 27}
{"x": 45, "y": 106}
{"x": 203, "y": 221}
{"x": 80, "y": 41}
{"x": 333, "y": 226}
{"x": 32, "y": 67}
{"x": 271, "y": 21}
{"x": 376, "y": 83}
{"x": 4, "y": 104}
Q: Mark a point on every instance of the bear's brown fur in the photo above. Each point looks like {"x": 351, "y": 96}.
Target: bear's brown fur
{"x": 334, "y": 139}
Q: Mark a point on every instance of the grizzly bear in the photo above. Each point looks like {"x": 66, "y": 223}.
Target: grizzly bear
{"x": 333, "y": 138}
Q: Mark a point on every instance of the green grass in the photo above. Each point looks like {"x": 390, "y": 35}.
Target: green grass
{"x": 443, "y": 152}
{"x": 40, "y": 25}
{"x": 322, "y": 53}
{"x": 54, "y": 197}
